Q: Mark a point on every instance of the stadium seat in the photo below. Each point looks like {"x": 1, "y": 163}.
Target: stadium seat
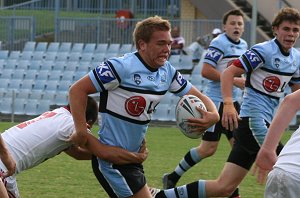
{"x": 59, "y": 65}
{"x": 65, "y": 47}
{"x": 63, "y": 86}
{"x": 74, "y": 56}
{"x": 26, "y": 55}
{"x": 19, "y": 74}
{"x": 53, "y": 47}
{"x": 7, "y": 73}
{"x": 29, "y": 46}
{"x": 38, "y": 55}
{"x": 186, "y": 62}
{"x": 10, "y": 64}
{"x": 49, "y": 96}
{"x": 19, "y": 106}
{"x": 4, "y": 84}
{"x": 113, "y": 48}
{"x": 14, "y": 55}
{"x": 77, "y": 47}
{"x": 101, "y": 48}
{"x": 24, "y": 94}
{"x": 42, "y": 75}
{"x": 31, "y": 107}
{"x": 62, "y": 56}
{"x": 27, "y": 84}
{"x": 39, "y": 85}
{"x": 175, "y": 61}
{"x": 86, "y": 57}
{"x": 72, "y": 66}
{"x": 61, "y": 99}
{"x": 55, "y": 75}
{"x": 68, "y": 75}
{"x": 5, "y": 106}
{"x": 99, "y": 57}
{"x": 34, "y": 65}
{"x": 22, "y": 64}
{"x": 51, "y": 86}
{"x": 50, "y": 55}
{"x": 36, "y": 94}
{"x": 41, "y": 47}
{"x": 79, "y": 74}
{"x": 125, "y": 48}
{"x": 47, "y": 65}
{"x": 4, "y": 54}
{"x": 161, "y": 112}
{"x": 89, "y": 48}
{"x": 15, "y": 84}
{"x": 31, "y": 75}
{"x": 43, "y": 106}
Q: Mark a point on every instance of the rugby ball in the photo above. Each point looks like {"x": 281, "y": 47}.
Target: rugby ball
{"x": 185, "y": 109}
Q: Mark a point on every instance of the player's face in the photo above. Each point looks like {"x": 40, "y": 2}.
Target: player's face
{"x": 287, "y": 34}
{"x": 234, "y": 27}
{"x": 156, "y": 52}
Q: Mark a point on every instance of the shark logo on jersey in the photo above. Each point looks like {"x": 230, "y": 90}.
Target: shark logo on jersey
{"x": 253, "y": 59}
{"x": 180, "y": 79}
{"x": 135, "y": 105}
{"x": 213, "y": 54}
{"x": 271, "y": 84}
{"x": 276, "y": 62}
{"x": 137, "y": 79}
{"x": 105, "y": 73}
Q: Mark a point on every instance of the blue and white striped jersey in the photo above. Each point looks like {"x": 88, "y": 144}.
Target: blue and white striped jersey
{"x": 220, "y": 54}
{"x": 129, "y": 92}
{"x": 269, "y": 70}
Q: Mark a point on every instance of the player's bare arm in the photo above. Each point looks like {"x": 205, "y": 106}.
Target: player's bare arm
{"x": 114, "y": 154}
{"x": 230, "y": 115}
{"x": 78, "y": 99}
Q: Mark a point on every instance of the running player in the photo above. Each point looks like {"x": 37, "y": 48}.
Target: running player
{"x": 270, "y": 66}
{"x": 131, "y": 86}
{"x": 220, "y": 54}
{"x": 34, "y": 141}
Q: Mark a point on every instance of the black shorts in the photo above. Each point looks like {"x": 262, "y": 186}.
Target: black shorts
{"x": 214, "y": 133}
{"x": 132, "y": 176}
{"x": 245, "y": 147}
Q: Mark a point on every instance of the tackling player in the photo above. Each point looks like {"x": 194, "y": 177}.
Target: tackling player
{"x": 34, "y": 141}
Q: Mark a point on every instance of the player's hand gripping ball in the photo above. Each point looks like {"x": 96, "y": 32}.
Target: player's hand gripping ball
{"x": 185, "y": 109}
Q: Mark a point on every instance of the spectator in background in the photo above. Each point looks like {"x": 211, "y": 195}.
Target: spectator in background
{"x": 216, "y": 32}
{"x": 178, "y": 41}
{"x": 206, "y": 39}
{"x": 195, "y": 49}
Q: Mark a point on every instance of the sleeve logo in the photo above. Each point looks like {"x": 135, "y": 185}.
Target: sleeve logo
{"x": 213, "y": 54}
{"x": 253, "y": 59}
{"x": 104, "y": 73}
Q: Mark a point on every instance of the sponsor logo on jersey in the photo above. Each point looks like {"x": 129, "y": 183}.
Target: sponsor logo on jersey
{"x": 213, "y": 54}
{"x": 137, "y": 79}
{"x": 253, "y": 58}
{"x": 271, "y": 84}
{"x": 105, "y": 73}
{"x": 135, "y": 105}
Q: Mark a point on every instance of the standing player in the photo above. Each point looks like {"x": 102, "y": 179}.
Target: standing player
{"x": 34, "y": 141}
{"x": 266, "y": 81}
{"x": 131, "y": 86}
{"x": 221, "y": 52}
{"x": 283, "y": 180}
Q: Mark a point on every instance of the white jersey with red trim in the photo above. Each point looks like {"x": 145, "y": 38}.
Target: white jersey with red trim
{"x": 129, "y": 92}
{"x": 34, "y": 141}
{"x": 269, "y": 70}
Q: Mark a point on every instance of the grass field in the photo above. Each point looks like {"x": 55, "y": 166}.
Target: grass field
{"x": 64, "y": 177}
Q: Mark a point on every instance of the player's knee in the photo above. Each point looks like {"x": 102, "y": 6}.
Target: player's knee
{"x": 208, "y": 150}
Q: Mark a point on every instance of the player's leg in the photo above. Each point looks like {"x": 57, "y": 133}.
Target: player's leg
{"x": 143, "y": 193}
{"x": 207, "y": 148}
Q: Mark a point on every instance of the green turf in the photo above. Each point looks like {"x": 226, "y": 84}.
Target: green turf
{"x": 65, "y": 177}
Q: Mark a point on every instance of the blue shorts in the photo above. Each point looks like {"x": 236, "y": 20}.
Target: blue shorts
{"x": 119, "y": 180}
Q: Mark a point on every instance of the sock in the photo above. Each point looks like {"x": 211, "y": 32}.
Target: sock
{"x": 235, "y": 193}
{"x": 185, "y": 191}
{"x": 190, "y": 159}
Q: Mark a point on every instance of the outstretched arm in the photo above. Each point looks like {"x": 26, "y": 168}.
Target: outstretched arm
{"x": 267, "y": 156}
{"x": 112, "y": 154}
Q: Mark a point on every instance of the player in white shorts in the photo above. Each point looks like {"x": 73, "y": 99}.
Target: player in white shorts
{"x": 284, "y": 179}
{"x": 34, "y": 141}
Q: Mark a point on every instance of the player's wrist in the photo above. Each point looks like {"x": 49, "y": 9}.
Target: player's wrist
{"x": 227, "y": 101}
